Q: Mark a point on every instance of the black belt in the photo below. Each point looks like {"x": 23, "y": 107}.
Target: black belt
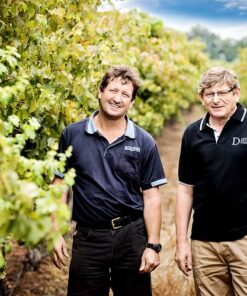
{"x": 114, "y": 223}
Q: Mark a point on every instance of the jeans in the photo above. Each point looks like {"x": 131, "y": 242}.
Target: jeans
{"x": 105, "y": 258}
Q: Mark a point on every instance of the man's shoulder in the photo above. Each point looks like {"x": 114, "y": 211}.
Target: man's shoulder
{"x": 75, "y": 127}
{"x": 142, "y": 134}
{"x": 77, "y": 124}
{"x": 195, "y": 126}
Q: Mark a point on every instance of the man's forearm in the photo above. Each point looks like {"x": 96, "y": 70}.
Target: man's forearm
{"x": 152, "y": 214}
{"x": 183, "y": 212}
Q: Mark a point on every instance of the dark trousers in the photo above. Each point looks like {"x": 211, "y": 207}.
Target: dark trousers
{"x": 104, "y": 259}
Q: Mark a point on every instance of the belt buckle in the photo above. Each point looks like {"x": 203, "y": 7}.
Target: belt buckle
{"x": 113, "y": 221}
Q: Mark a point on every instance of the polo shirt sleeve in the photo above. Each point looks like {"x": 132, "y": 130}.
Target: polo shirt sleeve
{"x": 186, "y": 167}
{"x": 152, "y": 173}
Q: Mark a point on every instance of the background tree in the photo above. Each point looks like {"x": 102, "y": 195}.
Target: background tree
{"x": 26, "y": 198}
{"x": 216, "y": 47}
{"x": 240, "y": 68}
{"x": 66, "y": 46}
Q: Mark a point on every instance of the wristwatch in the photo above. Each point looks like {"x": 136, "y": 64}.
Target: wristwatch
{"x": 156, "y": 247}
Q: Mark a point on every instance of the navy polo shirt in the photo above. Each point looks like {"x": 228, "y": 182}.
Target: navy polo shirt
{"x": 110, "y": 177}
{"x": 218, "y": 173}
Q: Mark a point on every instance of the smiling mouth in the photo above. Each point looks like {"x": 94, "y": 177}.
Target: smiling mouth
{"x": 115, "y": 106}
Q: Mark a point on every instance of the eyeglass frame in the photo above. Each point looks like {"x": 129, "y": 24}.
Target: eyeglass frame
{"x": 220, "y": 93}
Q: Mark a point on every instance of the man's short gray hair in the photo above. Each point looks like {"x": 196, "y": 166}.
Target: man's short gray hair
{"x": 219, "y": 75}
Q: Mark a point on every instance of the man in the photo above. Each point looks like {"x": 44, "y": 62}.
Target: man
{"x": 212, "y": 181}
{"x": 116, "y": 196}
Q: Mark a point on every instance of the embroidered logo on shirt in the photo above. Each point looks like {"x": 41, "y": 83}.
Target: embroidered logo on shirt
{"x": 130, "y": 148}
{"x": 237, "y": 141}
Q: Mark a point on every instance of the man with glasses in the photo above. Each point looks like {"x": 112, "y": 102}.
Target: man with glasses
{"x": 212, "y": 182}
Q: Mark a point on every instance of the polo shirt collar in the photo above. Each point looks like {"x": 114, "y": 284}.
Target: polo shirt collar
{"x": 91, "y": 128}
{"x": 130, "y": 129}
{"x": 239, "y": 115}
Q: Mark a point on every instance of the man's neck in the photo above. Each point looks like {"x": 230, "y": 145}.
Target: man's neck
{"x": 217, "y": 123}
{"x": 111, "y": 129}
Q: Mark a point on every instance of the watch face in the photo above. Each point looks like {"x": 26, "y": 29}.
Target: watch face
{"x": 158, "y": 247}
{"x": 155, "y": 247}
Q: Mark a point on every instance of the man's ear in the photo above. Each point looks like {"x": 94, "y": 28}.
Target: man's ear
{"x": 237, "y": 93}
{"x": 99, "y": 94}
{"x": 200, "y": 97}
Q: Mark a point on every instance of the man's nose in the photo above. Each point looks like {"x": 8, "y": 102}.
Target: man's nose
{"x": 216, "y": 97}
{"x": 118, "y": 97}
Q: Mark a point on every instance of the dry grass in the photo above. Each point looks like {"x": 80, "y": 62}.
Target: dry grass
{"x": 168, "y": 280}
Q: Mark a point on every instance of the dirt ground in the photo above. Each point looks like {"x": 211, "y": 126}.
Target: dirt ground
{"x": 167, "y": 280}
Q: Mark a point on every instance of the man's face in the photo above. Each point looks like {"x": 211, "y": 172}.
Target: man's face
{"x": 115, "y": 99}
{"x": 220, "y": 100}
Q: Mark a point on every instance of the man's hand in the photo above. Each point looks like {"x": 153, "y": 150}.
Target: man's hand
{"x": 183, "y": 257}
{"x": 59, "y": 253}
{"x": 150, "y": 260}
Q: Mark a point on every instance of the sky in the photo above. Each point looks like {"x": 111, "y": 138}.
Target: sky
{"x": 227, "y": 18}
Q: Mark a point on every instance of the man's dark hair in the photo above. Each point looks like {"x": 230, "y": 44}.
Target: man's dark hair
{"x": 127, "y": 74}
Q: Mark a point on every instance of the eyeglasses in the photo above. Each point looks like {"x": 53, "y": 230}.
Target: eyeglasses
{"x": 220, "y": 94}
